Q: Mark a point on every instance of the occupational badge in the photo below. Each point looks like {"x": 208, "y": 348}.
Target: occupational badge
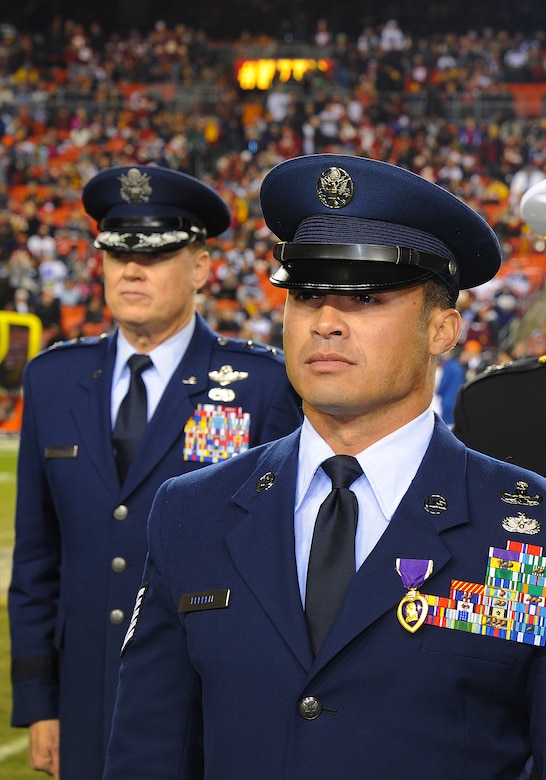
{"x": 224, "y": 395}
{"x": 521, "y": 497}
{"x": 227, "y": 375}
{"x": 413, "y": 608}
{"x": 521, "y": 524}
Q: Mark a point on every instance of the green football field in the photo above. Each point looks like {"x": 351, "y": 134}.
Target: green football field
{"x": 13, "y": 742}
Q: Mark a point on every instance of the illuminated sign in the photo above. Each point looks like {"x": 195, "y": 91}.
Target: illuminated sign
{"x": 260, "y": 74}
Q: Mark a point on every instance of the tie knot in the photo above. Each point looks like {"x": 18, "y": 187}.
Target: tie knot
{"x": 138, "y": 363}
{"x": 343, "y": 470}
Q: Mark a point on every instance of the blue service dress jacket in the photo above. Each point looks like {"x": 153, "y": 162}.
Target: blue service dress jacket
{"x": 218, "y": 680}
{"x": 81, "y": 536}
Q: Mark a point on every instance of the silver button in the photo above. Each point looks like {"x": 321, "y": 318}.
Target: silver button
{"x": 119, "y": 564}
{"x": 121, "y": 512}
{"x": 117, "y": 616}
{"x": 310, "y": 708}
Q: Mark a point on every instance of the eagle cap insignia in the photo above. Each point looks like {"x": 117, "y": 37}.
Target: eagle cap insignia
{"x": 335, "y": 188}
{"x": 226, "y": 375}
{"x": 135, "y": 186}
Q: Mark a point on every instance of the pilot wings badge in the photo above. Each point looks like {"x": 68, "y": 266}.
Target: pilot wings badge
{"x": 226, "y": 375}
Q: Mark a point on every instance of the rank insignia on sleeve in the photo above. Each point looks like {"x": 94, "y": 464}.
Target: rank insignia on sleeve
{"x": 130, "y": 635}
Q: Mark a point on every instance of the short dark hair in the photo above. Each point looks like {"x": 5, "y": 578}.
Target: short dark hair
{"x": 437, "y": 295}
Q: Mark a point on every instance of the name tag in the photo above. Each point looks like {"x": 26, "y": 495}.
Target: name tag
{"x": 209, "y": 599}
{"x": 51, "y": 452}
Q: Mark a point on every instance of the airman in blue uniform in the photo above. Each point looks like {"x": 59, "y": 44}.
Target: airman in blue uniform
{"x": 434, "y": 664}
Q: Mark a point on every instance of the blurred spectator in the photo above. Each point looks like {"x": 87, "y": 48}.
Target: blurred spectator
{"x": 391, "y": 36}
{"x": 453, "y": 375}
{"x": 52, "y": 273}
{"x": 21, "y": 301}
{"x": 41, "y": 244}
{"x": 228, "y": 322}
{"x": 522, "y": 179}
{"x": 48, "y": 309}
{"x": 472, "y": 359}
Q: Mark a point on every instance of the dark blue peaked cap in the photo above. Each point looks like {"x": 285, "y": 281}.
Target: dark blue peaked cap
{"x": 349, "y": 223}
{"x": 147, "y": 208}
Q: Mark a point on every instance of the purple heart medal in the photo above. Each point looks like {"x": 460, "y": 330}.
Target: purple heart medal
{"x": 413, "y": 608}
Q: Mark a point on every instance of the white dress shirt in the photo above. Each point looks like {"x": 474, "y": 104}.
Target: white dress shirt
{"x": 389, "y": 467}
{"x": 165, "y": 358}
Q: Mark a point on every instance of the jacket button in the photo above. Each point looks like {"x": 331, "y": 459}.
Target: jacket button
{"x": 121, "y": 512}
{"x": 117, "y": 616}
{"x": 119, "y": 564}
{"x": 310, "y": 708}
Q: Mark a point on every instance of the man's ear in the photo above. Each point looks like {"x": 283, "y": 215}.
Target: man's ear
{"x": 201, "y": 269}
{"x": 445, "y": 329}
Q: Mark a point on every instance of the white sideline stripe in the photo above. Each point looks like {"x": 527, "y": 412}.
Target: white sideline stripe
{"x": 17, "y": 746}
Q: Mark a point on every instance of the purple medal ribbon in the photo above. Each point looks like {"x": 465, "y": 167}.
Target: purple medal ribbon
{"x": 413, "y": 571}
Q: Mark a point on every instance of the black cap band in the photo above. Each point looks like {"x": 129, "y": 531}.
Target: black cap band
{"x": 369, "y": 253}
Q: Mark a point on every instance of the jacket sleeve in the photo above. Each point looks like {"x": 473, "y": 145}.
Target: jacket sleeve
{"x": 281, "y": 410}
{"x": 34, "y": 589}
{"x": 157, "y": 724}
{"x": 283, "y": 416}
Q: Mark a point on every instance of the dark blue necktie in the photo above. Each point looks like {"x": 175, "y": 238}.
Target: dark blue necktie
{"x": 332, "y": 557}
{"x": 132, "y": 415}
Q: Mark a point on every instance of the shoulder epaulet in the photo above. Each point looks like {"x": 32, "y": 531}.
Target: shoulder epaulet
{"x": 242, "y": 346}
{"x": 83, "y": 341}
{"x": 511, "y": 367}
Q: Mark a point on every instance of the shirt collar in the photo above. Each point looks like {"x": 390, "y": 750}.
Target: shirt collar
{"x": 389, "y": 464}
{"x": 165, "y": 357}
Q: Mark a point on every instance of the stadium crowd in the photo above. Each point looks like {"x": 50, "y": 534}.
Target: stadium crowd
{"x": 75, "y": 98}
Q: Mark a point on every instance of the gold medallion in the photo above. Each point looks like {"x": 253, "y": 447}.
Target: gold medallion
{"x": 412, "y": 611}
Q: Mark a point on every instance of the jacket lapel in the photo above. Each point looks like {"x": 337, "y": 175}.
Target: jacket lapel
{"x": 90, "y": 410}
{"x": 262, "y": 545}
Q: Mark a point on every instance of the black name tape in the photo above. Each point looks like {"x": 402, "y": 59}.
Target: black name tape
{"x": 206, "y": 599}
{"x": 52, "y": 452}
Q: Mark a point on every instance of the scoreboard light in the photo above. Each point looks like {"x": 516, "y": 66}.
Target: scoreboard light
{"x": 260, "y": 74}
